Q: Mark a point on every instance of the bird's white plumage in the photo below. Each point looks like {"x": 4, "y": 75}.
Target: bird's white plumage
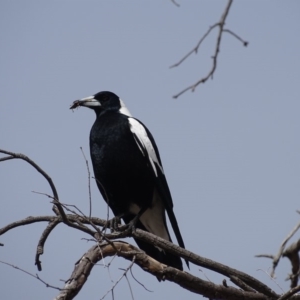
{"x": 153, "y": 217}
{"x": 140, "y": 133}
{"x": 124, "y": 110}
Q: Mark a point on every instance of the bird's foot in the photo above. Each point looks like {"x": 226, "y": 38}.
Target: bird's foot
{"x": 114, "y": 223}
{"x": 130, "y": 227}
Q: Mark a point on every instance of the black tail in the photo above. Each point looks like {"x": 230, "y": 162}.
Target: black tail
{"x": 163, "y": 189}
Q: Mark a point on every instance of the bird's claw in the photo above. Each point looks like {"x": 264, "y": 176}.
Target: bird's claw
{"x": 114, "y": 223}
{"x": 130, "y": 227}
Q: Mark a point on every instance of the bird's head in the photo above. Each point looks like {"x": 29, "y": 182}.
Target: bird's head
{"x": 102, "y": 101}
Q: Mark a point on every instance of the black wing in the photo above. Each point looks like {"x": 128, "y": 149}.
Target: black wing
{"x": 147, "y": 145}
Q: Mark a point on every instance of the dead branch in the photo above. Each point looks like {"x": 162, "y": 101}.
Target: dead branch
{"x": 107, "y": 246}
{"x": 210, "y": 74}
{"x": 36, "y": 276}
{"x": 121, "y": 277}
{"x": 204, "y": 262}
{"x": 43, "y": 238}
{"x": 192, "y": 283}
{"x": 175, "y": 3}
{"x": 290, "y": 293}
{"x": 155, "y": 240}
{"x": 292, "y": 253}
{"x": 89, "y": 180}
{"x": 13, "y": 155}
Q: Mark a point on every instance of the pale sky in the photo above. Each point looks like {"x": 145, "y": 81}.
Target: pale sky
{"x": 230, "y": 150}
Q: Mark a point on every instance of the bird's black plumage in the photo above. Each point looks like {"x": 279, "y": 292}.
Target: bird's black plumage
{"x": 129, "y": 172}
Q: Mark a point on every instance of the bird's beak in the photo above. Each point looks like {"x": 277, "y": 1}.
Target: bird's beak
{"x": 87, "y": 102}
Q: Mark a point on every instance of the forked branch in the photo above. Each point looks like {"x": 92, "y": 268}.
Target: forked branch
{"x": 106, "y": 245}
{"x": 210, "y": 74}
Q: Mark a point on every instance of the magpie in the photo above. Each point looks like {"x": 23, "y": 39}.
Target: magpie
{"x": 129, "y": 172}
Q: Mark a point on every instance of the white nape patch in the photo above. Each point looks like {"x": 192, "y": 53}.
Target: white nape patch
{"x": 140, "y": 133}
{"x": 153, "y": 217}
{"x": 89, "y": 102}
{"x": 124, "y": 110}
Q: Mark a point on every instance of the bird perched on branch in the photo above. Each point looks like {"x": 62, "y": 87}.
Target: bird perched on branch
{"x": 129, "y": 172}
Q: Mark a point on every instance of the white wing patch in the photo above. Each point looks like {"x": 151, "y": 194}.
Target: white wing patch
{"x": 124, "y": 110}
{"x": 144, "y": 143}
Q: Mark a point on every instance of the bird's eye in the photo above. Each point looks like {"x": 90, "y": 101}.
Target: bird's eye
{"x": 104, "y": 99}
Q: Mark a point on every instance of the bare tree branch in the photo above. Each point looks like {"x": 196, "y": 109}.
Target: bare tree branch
{"x": 195, "y": 50}
{"x": 106, "y": 246}
{"x": 204, "y": 262}
{"x": 41, "y": 171}
{"x": 34, "y": 276}
{"x": 245, "y": 43}
{"x": 71, "y": 218}
{"x": 122, "y": 276}
{"x": 207, "y": 289}
{"x": 43, "y": 238}
{"x": 210, "y": 74}
{"x": 166, "y": 245}
{"x": 6, "y": 158}
{"x": 290, "y": 293}
{"x": 175, "y": 3}
{"x": 89, "y": 181}
{"x": 292, "y": 252}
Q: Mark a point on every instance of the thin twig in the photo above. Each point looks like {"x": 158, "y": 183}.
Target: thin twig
{"x": 36, "y": 276}
{"x": 220, "y": 24}
{"x": 272, "y": 278}
{"x": 265, "y": 255}
{"x": 6, "y": 158}
{"x": 131, "y": 292}
{"x": 195, "y": 49}
{"x": 245, "y": 43}
{"x": 45, "y": 175}
{"x": 87, "y": 219}
{"x": 290, "y": 293}
{"x": 140, "y": 282}
{"x": 276, "y": 258}
{"x": 175, "y": 3}
{"x": 66, "y": 220}
{"x": 106, "y": 200}
{"x": 116, "y": 283}
{"x": 89, "y": 181}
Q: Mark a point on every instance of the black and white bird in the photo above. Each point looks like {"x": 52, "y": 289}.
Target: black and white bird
{"x": 129, "y": 172}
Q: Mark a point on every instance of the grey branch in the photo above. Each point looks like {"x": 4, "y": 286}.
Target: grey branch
{"x": 155, "y": 240}
{"x": 13, "y": 155}
{"x": 187, "y": 281}
{"x": 108, "y": 246}
{"x": 43, "y": 238}
{"x": 292, "y": 253}
{"x": 89, "y": 180}
{"x": 28, "y": 273}
{"x": 290, "y": 293}
{"x": 175, "y": 3}
{"x": 210, "y": 74}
